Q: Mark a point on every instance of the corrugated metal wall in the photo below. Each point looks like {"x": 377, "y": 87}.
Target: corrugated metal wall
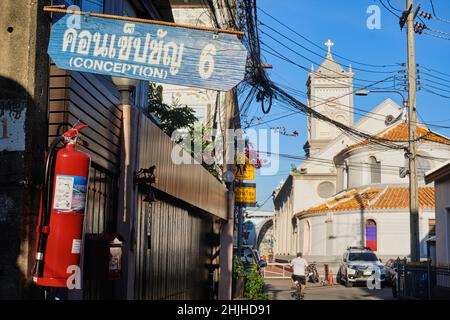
{"x": 177, "y": 237}
{"x": 172, "y": 252}
{"x": 99, "y": 222}
{"x": 89, "y": 99}
{"x": 188, "y": 182}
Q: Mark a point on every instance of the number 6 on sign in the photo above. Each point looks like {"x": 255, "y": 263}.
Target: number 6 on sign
{"x": 206, "y": 63}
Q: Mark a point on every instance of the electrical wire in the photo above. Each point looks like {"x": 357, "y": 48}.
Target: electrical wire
{"x": 323, "y": 49}
{"x": 435, "y": 16}
{"x": 436, "y": 36}
{"x": 434, "y": 70}
{"x": 320, "y": 55}
{"x": 392, "y": 12}
{"x": 280, "y": 56}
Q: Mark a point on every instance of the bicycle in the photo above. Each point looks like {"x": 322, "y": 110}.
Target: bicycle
{"x": 297, "y": 293}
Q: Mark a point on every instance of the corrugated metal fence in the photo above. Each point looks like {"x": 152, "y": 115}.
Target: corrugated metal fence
{"x": 171, "y": 253}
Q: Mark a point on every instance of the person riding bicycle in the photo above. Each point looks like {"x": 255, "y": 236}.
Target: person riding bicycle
{"x": 298, "y": 275}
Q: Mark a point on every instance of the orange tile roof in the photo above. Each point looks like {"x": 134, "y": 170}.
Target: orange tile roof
{"x": 374, "y": 198}
{"x": 400, "y": 133}
{"x": 399, "y": 198}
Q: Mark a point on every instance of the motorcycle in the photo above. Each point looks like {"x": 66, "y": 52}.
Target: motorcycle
{"x": 312, "y": 273}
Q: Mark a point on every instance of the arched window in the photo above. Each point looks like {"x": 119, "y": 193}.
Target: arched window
{"x": 375, "y": 170}
{"x": 371, "y": 234}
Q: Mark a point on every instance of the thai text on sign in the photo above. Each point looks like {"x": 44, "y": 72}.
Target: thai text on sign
{"x": 145, "y": 51}
{"x": 245, "y": 194}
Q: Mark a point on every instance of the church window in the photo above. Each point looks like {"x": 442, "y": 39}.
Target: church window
{"x": 371, "y": 234}
{"x": 375, "y": 170}
{"x": 325, "y": 189}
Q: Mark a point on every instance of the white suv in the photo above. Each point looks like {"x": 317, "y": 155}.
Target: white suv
{"x": 358, "y": 264}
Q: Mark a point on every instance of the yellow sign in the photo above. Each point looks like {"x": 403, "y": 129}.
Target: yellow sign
{"x": 244, "y": 171}
{"x": 245, "y": 194}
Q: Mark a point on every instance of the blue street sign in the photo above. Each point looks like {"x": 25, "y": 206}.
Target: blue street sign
{"x": 150, "y": 52}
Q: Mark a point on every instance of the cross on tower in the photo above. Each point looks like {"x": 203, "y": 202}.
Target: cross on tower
{"x": 329, "y": 44}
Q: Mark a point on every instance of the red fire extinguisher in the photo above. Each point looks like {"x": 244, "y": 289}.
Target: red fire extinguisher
{"x": 63, "y": 204}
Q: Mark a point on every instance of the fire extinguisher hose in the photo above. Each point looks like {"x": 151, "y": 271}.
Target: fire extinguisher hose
{"x": 47, "y": 193}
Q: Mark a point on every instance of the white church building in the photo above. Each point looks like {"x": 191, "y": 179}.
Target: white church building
{"x": 349, "y": 192}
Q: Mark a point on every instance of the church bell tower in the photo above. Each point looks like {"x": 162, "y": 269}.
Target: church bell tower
{"x": 330, "y": 93}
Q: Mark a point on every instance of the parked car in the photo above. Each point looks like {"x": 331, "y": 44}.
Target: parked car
{"x": 249, "y": 255}
{"x": 358, "y": 264}
{"x": 391, "y": 271}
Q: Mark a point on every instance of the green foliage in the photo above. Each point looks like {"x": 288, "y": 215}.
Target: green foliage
{"x": 294, "y": 168}
{"x": 254, "y": 285}
{"x": 171, "y": 117}
{"x": 201, "y": 135}
{"x": 238, "y": 267}
{"x": 177, "y": 117}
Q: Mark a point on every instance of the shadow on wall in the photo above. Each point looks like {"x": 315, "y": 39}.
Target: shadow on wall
{"x": 17, "y": 218}
{"x": 362, "y": 207}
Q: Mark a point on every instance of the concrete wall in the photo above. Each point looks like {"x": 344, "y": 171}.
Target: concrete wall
{"x": 24, "y": 30}
{"x": 306, "y": 187}
{"x": 391, "y": 160}
{"x": 332, "y": 233}
{"x": 283, "y": 229}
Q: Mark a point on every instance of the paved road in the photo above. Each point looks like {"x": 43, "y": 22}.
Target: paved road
{"x": 280, "y": 290}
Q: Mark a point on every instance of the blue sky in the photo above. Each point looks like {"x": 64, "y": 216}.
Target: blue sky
{"x": 344, "y": 22}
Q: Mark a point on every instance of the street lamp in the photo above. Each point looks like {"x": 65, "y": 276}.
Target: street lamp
{"x": 366, "y": 93}
{"x": 128, "y": 158}
{"x": 125, "y": 87}
{"x": 413, "y": 189}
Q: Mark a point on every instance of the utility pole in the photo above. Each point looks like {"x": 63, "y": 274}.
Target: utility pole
{"x": 240, "y": 230}
{"x": 413, "y": 188}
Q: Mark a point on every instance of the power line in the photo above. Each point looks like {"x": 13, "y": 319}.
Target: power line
{"x": 436, "y": 36}
{"x": 435, "y": 16}
{"x": 432, "y": 7}
{"x": 433, "y": 87}
{"x": 436, "y": 93}
{"x": 434, "y": 70}
{"x": 433, "y": 76}
{"x": 258, "y": 78}
{"x": 382, "y": 3}
{"x": 307, "y": 69}
{"x": 320, "y": 55}
{"x": 323, "y": 49}
{"x": 438, "y": 31}
{"x": 365, "y": 112}
{"x": 386, "y": 168}
{"x": 392, "y": 7}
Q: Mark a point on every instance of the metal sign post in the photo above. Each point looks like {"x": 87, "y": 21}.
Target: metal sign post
{"x": 245, "y": 196}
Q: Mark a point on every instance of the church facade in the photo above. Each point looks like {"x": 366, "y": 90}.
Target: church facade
{"x": 353, "y": 192}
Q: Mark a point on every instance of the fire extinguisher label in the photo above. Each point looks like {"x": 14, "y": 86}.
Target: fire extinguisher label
{"x": 76, "y": 246}
{"x": 70, "y": 193}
